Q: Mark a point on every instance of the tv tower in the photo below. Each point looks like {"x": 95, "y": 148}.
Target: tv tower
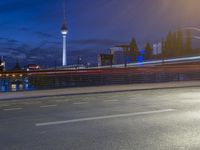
{"x": 64, "y": 32}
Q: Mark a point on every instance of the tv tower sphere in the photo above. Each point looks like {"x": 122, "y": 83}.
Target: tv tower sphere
{"x": 64, "y": 29}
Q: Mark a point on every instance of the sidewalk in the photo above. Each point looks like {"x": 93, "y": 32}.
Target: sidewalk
{"x": 96, "y": 89}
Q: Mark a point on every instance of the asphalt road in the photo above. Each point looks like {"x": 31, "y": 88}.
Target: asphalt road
{"x": 167, "y": 119}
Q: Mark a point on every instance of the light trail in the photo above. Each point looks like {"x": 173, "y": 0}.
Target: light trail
{"x": 197, "y": 37}
{"x": 191, "y": 28}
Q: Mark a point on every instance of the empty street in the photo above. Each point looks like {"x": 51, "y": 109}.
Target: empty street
{"x": 146, "y": 119}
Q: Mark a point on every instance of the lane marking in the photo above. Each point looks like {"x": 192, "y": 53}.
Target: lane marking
{"x": 111, "y": 100}
{"x": 62, "y": 101}
{"x": 80, "y": 103}
{"x": 31, "y": 103}
{"x": 46, "y": 106}
{"x": 103, "y": 117}
{"x": 4, "y": 105}
{"x": 11, "y": 109}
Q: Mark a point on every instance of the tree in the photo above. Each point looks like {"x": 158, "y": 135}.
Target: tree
{"x": 134, "y": 51}
{"x": 164, "y": 49}
{"x": 148, "y": 51}
{"x": 17, "y": 66}
{"x": 174, "y": 43}
{"x": 179, "y": 50}
{"x": 163, "y": 44}
{"x": 169, "y": 45}
{"x": 188, "y": 42}
{"x": 169, "y": 41}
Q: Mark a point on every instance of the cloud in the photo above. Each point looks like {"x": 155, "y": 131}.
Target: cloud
{"x": 43, "y": 34}
{"x": 14, "y": 6}
{"x": 8, "y": 42}
{"x": 38, "y": 33}
{"x": 102, "y": 42}
{"x": 24, "y": 29}
{"x": 12, "y": 41}
{"x": 19, "y": 5}
{"x": 3, "y": 39}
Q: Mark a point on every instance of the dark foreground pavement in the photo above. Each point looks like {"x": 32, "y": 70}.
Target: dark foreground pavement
{"x": 167, "y": 119}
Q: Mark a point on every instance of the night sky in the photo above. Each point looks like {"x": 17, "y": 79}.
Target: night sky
{"x": 30, "y": 29}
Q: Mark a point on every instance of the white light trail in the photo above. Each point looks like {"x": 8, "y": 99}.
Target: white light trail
{"x": 197, "y": 37}
{"x": 191, "y": 28}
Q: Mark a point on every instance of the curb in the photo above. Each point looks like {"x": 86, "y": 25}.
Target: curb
{"x": 100, "y": 92}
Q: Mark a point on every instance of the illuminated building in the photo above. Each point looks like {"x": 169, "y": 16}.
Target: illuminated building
{"x": 31, "y": 67}
{"x": 121, "y": 54}
{"x": 2, "y": 64}
{"x": 157, "y": 49}
{"x": 105, "y": 60}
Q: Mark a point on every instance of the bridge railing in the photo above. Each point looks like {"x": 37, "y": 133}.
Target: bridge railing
{"x": 96, "y": 77}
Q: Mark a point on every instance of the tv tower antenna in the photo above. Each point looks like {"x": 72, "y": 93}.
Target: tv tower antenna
{"x": 64, "y": 11}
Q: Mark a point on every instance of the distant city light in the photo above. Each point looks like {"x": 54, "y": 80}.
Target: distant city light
{"x": 13, "y": 87}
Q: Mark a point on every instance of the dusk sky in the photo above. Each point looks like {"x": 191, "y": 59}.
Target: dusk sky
{"x": 30, "y": 29}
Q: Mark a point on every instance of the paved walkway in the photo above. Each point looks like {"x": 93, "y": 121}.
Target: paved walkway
{"x": 96, "y": 89}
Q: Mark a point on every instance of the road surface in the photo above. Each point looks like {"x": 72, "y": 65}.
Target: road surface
{"x": 166, "y": 119}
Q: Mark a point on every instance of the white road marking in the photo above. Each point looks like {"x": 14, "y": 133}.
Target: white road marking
{"x": 180, "y": 147}
{"x": 31, "y": 103}
{"x": 4, "y": 105}
{"x": 45, "y": 106}
{"x": 113, "y": 100}
{"x": 11, "y": 109}
{"x": 103, "y": 117}
{"x": 80, "y": 103}
{"x": 63, "y": 100}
